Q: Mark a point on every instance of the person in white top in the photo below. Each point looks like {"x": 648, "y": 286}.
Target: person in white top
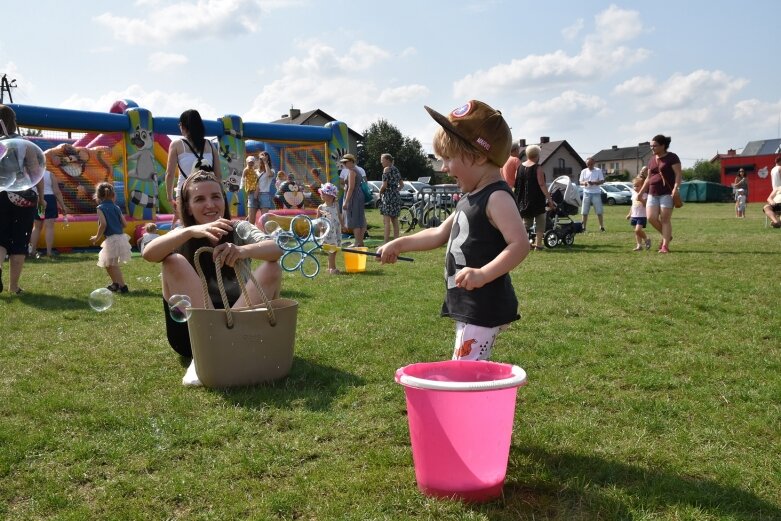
{"x": 53, "y": 197}
{"x": 775, "y": 174}
{"x": 590, "y": 179}
{"x": 184, "y": 154}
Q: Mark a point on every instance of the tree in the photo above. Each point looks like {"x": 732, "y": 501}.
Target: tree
{"x": 382, "y": 137}
{"x": 703, "y": 170}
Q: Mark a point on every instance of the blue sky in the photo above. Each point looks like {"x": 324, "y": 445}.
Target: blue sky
{"x": 594, "y": 73}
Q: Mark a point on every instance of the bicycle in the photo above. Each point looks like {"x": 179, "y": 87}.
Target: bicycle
{"x": 426, "y": 211}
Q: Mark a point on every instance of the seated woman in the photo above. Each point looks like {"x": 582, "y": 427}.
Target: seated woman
{"x": 205, "y": 216}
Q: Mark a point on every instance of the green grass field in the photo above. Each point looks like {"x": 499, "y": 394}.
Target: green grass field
{"x": 654, "y": 390}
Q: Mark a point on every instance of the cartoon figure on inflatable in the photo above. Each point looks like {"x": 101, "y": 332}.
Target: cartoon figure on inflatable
{"x": 290, "y": 194}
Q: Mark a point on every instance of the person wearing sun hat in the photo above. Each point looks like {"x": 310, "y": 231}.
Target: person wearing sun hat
{"x": 354, "y": 202}
{"x": 485, "y": 235}
{"x": 329, "y": 211}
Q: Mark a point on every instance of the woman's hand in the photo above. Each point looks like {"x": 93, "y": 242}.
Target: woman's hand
{"x": 229, "y": 252}
{"x": 214, "y": 231}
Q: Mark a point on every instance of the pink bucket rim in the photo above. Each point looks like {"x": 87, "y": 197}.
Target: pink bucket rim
{"x": 517, "y": 379}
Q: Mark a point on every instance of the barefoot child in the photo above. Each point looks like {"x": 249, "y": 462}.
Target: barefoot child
{"x": 116, "y": 248}
{"x": 740, "y": 203}
{"x": 637, "y": 216}
{"x": 330, "y": 212}
{"x": 485, "y": 235}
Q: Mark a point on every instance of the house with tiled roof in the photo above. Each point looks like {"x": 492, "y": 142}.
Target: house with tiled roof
{"x": 318, "y": 118}
{"x": 623, "y": 161}
{"x": 557, "y": 158}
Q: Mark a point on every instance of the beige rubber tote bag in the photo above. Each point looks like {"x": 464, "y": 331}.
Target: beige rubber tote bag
{"x": 246, "y": 346}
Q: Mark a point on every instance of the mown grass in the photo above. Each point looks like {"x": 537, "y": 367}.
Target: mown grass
{"x": 654, "y": 391}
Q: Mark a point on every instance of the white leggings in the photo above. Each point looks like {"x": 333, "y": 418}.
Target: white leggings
{"x": 475, "y": 342}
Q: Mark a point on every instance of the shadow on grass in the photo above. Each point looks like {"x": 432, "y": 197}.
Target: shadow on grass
{"x": 315, "y": 385}
{"x": 588, "y": 484}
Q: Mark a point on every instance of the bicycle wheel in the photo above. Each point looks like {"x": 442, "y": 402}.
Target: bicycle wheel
{"x": 406, "y": 220}
{"x": 435, "y": 216}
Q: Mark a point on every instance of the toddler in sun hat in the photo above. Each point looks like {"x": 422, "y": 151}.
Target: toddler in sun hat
{"x": 329, "y": 211}
{"x": 485, "y": 235}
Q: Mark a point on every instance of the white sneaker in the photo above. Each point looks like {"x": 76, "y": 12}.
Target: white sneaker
{"x": 190, "y": 378}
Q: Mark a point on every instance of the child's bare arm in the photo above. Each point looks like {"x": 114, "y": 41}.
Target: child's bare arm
{"x": 427, "y": 239}
{"x": 101, "y": 228}
{"x": 504, "y": 215}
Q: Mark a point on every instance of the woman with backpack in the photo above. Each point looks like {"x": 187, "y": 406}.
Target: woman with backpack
{"x": 191, "y": 153}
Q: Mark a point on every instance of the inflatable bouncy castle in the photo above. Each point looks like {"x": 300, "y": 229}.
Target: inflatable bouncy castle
{"x": 129, "y": 147}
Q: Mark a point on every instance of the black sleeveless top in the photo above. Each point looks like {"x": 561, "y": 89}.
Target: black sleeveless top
{"x": 474, "y": 242}
{"x": 528, "y": 194}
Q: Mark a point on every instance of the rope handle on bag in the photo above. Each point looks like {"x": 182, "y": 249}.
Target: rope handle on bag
{"x": 241, "y": 273}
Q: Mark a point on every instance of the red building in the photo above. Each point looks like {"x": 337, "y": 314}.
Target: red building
{"x": 757, "y": 160}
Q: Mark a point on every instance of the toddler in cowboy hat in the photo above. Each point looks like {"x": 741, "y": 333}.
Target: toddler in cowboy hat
{"x": 485, "y": 235}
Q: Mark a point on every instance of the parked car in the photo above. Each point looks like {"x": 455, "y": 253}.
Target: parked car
{"x": 375, "y": 202}
{"x": 407, "y": 199}
{"x": 621, "y": 185}
{"x": 616, "y": 195}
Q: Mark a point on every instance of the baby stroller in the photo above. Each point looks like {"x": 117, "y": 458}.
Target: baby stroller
{"x": 559, "y": 226}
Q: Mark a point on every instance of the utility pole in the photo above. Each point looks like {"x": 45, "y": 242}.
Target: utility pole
{"x": 6, "y": 86}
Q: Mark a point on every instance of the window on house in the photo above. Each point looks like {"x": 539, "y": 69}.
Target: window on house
{"x": 562, "y": 164}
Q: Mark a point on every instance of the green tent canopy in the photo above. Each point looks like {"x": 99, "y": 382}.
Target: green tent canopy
{"x": 705, "y": 191}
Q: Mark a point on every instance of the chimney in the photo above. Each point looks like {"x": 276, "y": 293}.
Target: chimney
{"x": 615, "y": 147}
{"x": 294, "y": 113}
{"x": 732, "y": 152}
{"x": 544, "y": 139}
{"x": 522, "y": 143}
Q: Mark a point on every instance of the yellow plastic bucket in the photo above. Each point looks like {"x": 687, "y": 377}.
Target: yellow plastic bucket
{"x": 355, "y": 262}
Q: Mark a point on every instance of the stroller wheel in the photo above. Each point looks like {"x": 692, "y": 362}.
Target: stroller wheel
{"x": 551, "y": 239}
{"x": 569, "y": 239}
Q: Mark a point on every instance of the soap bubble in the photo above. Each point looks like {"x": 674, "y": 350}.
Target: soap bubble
{"x": 243, "y": 230}
{"x": 101, "y": 299}
{"x": 21, "y": 165}
{"x": 270, "y": 227}
{"x": 320, "y": 229}
{"x": 179, "y": 306}
{"x": 287, "y": 241}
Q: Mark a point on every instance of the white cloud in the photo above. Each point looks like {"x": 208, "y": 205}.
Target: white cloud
{"x": 636, "y": 86}
{"x": 571, "y": 32}
{"x": 761, "y": 118}
{"x": 681, "y": 91}
{"x": 24, "y": 90}
{"x": 409, "y": 51}
{"x": 601, "y": 54}
{"x": 402, "y": 94}
{"x": 160, "y": 103}
{"x": 160, "y": 61}
{"x": 342, "y": 84}
{"x": 560, "y": 114}
{"x": 187, "y": 20}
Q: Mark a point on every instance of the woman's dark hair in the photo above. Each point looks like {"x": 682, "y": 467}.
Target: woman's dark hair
{"x": 8, "y": 116}
{"x": 193, "y": 128}
{"x": 662, "y": 140}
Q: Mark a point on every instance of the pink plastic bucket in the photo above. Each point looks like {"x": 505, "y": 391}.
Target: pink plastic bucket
{"x": 460, "y": 421}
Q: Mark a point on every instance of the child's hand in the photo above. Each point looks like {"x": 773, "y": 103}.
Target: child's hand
{"x": 470, "y": 278}
{"x": 389, "y": 253}
{"x": 627, "y": 216}
{"x": 93, "y": 239}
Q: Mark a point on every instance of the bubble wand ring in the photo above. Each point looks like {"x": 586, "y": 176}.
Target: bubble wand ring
{"x": 299, "y": 246}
